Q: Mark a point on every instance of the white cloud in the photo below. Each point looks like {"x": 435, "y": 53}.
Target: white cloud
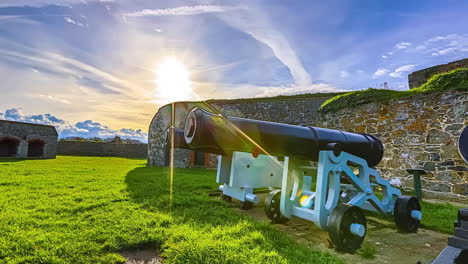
{"x": 71, "y": 21}
{"x": 344, "y": 74}
{"x": 39, "y": 3}
{"x": 284, "y": 90}
{"x": 184, "y": 10}
{"x": 402, "y": 69}
{"x": 70, "y": 67}
{"x": 420, "y": 47}
{"x": 55, "y": 99}
{"x": 443, "y": 38}
{"x": 402, "y": 45}
{"x": 452, "y": 46}
{"x": 380, "y": 72}
{"x": 384, "y": 56}
{"x": 256, "y": 24}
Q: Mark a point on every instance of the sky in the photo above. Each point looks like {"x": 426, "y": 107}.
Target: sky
{"x": 90, "y": 67}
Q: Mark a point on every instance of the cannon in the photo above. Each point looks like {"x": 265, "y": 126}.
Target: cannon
{"x": 321, "y": 175}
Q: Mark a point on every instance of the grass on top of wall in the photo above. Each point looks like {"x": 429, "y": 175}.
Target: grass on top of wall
{"x": 456, "y": 79}
{"x": 274, "y": 98}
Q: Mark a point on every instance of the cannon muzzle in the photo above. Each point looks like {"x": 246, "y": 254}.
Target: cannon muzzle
{"x": 179, "y": 140}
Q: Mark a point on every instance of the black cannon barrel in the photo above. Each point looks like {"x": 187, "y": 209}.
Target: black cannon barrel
{"x": 179, "y": 140}
{"x": 213, "y": 133}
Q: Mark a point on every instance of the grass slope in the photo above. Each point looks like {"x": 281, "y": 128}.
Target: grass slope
{"x": 456, "y": 79}
{"x": 439, "y": 216}
{"x": 85, "y": 209}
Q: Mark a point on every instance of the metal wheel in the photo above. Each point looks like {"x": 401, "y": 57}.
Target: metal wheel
{"x": 407, "y": 214}
{"x": 272, "y": 207}
{"x": 226, "y": 198}
{"x": 245, "y": 205}
{"x": 347, "y": 228}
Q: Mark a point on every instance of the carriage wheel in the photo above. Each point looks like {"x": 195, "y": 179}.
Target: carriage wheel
{"x": 407, "y": 214}
{"x": 272, "y": 207}
{"x": 347, "y": 228}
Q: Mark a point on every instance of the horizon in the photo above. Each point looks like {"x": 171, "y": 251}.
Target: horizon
{"x": 102, "y": 68}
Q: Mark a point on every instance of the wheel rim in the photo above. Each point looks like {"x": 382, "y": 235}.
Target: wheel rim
{"x": 340, "y": 227}
{"x": 413, "y": 204}
{"x": 404, "y": 205}
{"x": 272, "y": 207}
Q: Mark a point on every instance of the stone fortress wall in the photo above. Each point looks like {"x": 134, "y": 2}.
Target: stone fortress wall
{"x": 100, "y": 149}
{"x": 418, "y": 132}
{"x": 418, "y": 78}
{"x": 26, "y": 140}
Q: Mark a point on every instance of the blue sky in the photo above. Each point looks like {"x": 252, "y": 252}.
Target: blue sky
{"x": 88, "y": 67}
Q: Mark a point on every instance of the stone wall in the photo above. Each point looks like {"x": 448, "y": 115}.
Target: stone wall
{"x": 417, "y": 132}
{"x": 418, "y": 78}
{"x": 82, "y": 148}
{"x": 26, "y": 135}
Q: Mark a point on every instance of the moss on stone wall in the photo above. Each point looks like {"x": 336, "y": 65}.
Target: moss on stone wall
{"x": 456, "y": 79}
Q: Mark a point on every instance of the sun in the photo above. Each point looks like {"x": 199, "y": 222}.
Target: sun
{"x": 173, "y": 81}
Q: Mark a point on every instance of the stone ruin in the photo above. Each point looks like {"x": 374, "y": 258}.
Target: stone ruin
{"x": 26, "y": 140}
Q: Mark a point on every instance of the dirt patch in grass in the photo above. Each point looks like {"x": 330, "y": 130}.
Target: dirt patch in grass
{"x": 141, "y": 256}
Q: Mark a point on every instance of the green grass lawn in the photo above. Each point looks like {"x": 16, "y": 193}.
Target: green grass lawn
{"x": 86, "y": 209}
{"x": 439, "y": 216}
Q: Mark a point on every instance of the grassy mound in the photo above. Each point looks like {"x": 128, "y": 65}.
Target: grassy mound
{"x": 87, "y": 209}
{"x": 456, "y": 79}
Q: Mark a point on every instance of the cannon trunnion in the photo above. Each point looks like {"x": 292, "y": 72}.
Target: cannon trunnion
{"x": 318, "y": 174}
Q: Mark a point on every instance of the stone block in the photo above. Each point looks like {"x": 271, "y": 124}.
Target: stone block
{"x": 436, "y": 136}
{"x": 446, "y": 176}
{"x": 461, "y": 189}
{"x": 438, "y": 187}
{"x": 402, "y": 116}
{"x": 446, "y": 163}
{"x": 450, "y": 152}
{"x": 458, "y": 168}
{"x": 435, "y": 156}
{"x": 454, "y": 127}
{"x": 429, "y": 166}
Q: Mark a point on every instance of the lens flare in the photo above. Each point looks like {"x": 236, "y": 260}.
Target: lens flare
{"x": 173, "y": 81}
{"x": 306, "y": 201}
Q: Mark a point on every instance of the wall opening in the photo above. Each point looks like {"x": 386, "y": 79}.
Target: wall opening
{"x": 36, "y": 148}
{"x": 199, "y": 159}
{"x": 8, "y": 147}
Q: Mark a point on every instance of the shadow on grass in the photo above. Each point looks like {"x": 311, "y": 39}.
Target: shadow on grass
{"x": 149, "y": 186}
{"x": 205, "y": 229}
{"x": 11, "y": 159}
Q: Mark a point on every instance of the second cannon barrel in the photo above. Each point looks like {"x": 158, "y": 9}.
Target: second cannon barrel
{"x": 217, "y": 134}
